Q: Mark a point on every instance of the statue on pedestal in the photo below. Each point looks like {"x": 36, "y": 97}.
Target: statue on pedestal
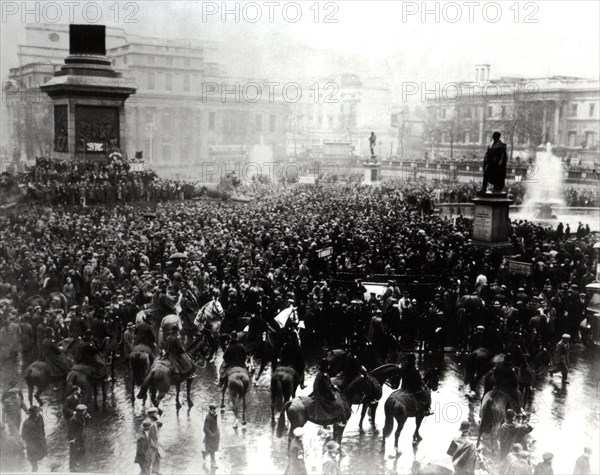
{"x": 494, "y": 165}
{"x": 372, "y": 142}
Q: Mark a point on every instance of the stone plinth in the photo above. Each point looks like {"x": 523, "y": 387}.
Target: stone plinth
{"x": 372, "y": 176}
{"x": 89, "y": 99}
{"x": 491, "y": 224}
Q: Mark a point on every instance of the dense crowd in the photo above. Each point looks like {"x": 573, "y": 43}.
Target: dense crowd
{"x": 258, "y": 258}
{"x": 57, "y": 182}
{"x": 268, "y": 251}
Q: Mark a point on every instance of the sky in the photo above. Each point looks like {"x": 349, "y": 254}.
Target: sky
{"x": 389, "y": 39}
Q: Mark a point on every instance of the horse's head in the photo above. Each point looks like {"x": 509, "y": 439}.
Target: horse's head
{"x": 432, "y": 379}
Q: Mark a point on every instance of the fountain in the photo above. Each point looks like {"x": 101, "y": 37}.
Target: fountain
{"x": 544, "y": 195}
{"x": 544, "y": 187}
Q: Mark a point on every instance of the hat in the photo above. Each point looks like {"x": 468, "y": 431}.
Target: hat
{"x": 480, "y": 327}
{"x": 332, "y": 446}
{"x": 33, "y": 409}
{"x": 465, "y": 425}
{"x": 152, "y": 410}
{"x": 81, "y": 407}
{"x": 146, "y": 424}
{"x": 212, "y": 406}
{"x": 548, "y": 456}
{"x": 233, "y": 336}
{"x": 566, "y": 336}
{"x": 130, "y": 325}
{"x": 298, "y": 432}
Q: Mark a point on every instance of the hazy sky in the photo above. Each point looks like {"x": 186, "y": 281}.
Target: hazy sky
{"x": 370, "y": 38}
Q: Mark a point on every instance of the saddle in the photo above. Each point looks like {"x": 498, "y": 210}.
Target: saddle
{"x": 87, "y": 370}
{"x": 234, "y": 370}
{"x": 414, "y": 402}
{"x": 288, "y": 369}
{"x": 143, "y": 349}
{"x": 322, "y": 418}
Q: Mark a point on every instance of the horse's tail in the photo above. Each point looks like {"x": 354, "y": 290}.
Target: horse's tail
{"x": 486, "y": 416}
{"x": 389, "y": 418}
{"x": 276, "y": 391}
{"x": 145, "y": 385}
{"x": 281, "y": 420}
{"x": 139, "y": 366}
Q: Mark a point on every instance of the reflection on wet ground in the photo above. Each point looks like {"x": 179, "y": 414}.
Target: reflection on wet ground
{"x": 565, "y": 421}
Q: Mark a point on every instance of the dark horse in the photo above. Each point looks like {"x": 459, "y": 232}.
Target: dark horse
{"x": 81, "y": 375}
{"x": 284, "y": 383}
{"x": 238, "y": 381}
{"x": 159, "y": 379}
{"x": 39, "y": 375}
{"x": 401, "y": 405}
{"x": 478, "y": 363}
{"x": 140, "y": 360}
{"x": 300, "y": 409}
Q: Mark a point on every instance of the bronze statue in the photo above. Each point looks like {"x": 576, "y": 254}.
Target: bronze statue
{"x": 372, "y": 142}
{"x": 494, "y": 165}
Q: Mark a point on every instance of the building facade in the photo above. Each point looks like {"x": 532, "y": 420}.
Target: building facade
{"x": 181, "y": 115}
{"x": 529, "y": 112}
{"x": 343, "y": 109}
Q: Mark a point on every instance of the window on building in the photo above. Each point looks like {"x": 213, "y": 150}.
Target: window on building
{"x": 572, "y": 139}
{"x": 150, "y": 59}
{"x": 503, "y": 112}
{"x": 211, "y": 121}
{"x": 590, "y": 139}
{"x": 124, "y": 59}
{"x": 573, "y": 110}
{"x": 592, "y": 109}
{"x": 169, "y": 82}
{"x": 186, "y": 62}
{"x": 151, "y": 80}
{"x": 187, "y": 80}
{"x": 258, "y": 122}
{"x": 169, "y": 61}
{"x": 166, "y": 152}
{"x": 272, "y": 123}
{"x": 490, "y": 111}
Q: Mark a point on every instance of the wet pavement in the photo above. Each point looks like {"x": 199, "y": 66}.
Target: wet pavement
{"x": 565, "y": 421}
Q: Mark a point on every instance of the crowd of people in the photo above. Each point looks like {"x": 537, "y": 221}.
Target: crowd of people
{"x": 85, "y": 273}
{"x": 58, "y": 182}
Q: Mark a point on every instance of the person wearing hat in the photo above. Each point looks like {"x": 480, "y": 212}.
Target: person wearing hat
{"x": 182, "y": 363}
{"x": 412, "y": 383}
{"x": 291, "y": 356}
{"x": 561, "y": 358}
{"x": 330, "y": 464}
{"x": 512, "y": 432}
{"x": 212, "y": 436}
{"x": 545, "y": 466}
{"x": 146, "y": 451}
{"x": 463, "y": 451}
{"x": 144, "y": 334}
{"x": 506, "y": 380}
{"x": 234, "y": 355}
{"x": 582, "y": 464}
{"x": 52, "y": 355}
{"x": 128, "y": 340}
{"x": 71, "y": 402}
{"x": 34, "y": 435}
{"x": 76, "y": 435}
{"x": 459, "y": 439}
{"x": 328, "y": 403}
{"x": 296, "y": 464}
